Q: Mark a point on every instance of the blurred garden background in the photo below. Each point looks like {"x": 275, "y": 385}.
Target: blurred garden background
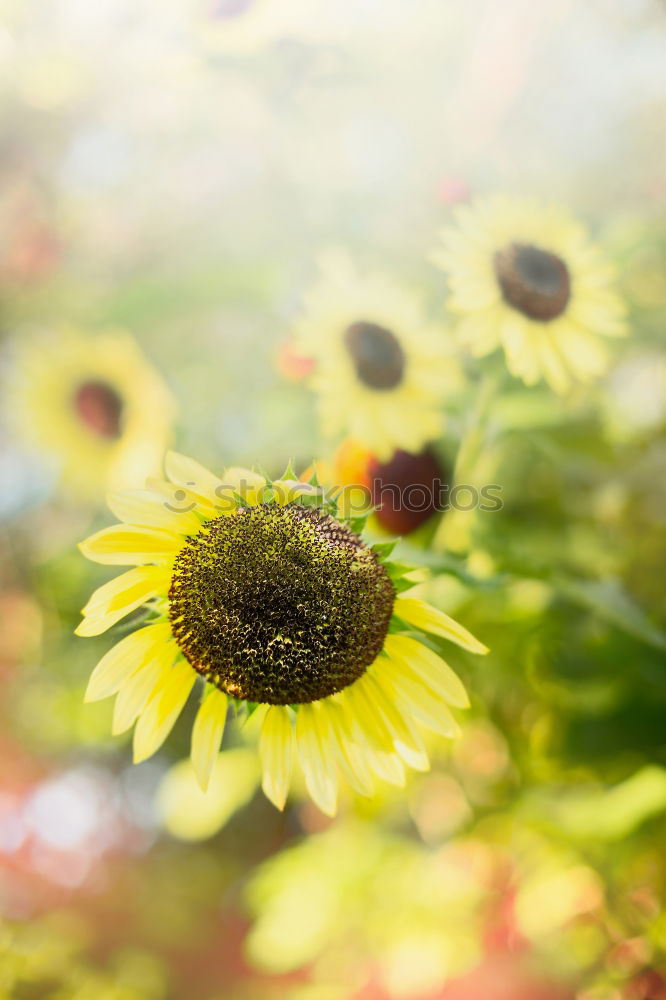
{"x": 172, "y": 173}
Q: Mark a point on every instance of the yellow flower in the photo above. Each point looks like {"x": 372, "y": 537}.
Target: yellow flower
{"x": 382, "y": 373}
{"x": 94, "y": 405}
{"x": 525, "y": 277}
{"x": 258, "y": 590}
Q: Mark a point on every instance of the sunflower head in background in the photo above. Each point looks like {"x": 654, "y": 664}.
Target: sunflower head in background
{"x": 403, "y": 493}
{"x": 94, "y": 405}
{"x": 382, "y": 373}
{"x": 263, "y": 593}
{"x": 525, "y": 277}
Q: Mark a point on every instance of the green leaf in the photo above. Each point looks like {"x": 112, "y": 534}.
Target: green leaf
{"x": 384, "y": 549}
{"x": 608, "y": 814}
{"x": 396, "y": 569}
{"x": 447, "y": 564}
{"x": 290, "y": 471}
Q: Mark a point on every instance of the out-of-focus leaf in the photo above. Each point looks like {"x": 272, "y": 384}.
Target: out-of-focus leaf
{"x": 610, "y": 601}
{"x": 610, "y": 813}
{"x": 449, "y": 565}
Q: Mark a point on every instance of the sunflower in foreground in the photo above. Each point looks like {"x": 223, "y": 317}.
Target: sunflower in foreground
{"x": 94, "y": 406}
{"x": 381, "y": 372}
{"x": 525, "y": 277}
{"x": 259, "y": 591}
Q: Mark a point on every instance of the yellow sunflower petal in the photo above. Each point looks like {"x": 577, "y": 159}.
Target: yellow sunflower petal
{"x": 406, "y": 738}
{"x": 186, "y": 472}
{"x": 388, "y": 767}
{"x": 130, "y": 545}
{"x": 316, "y": 758}
{"x": 429, "y": 666}
{"x": 276, "y": 749}
{"x": 207, "y": 733}
{"x": 367, "y": 717}
{"x": 552, "y": 364}
{"x": 149, "y": 509}
{"x": 137, "y": 690}
{"x": 424, "y": 616}
{"x": 351, "y": 757}
{"x": 119, "y": 596}
{"x": 122, "y": 660}
{"x": 181, "y": 498}
{"x": 158, "y": 717}
{"x": 420, "y": 702}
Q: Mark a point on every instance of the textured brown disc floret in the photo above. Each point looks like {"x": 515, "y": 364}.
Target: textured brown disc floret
{"x": 280, "y": 605}
{"x": 534, "y": 281}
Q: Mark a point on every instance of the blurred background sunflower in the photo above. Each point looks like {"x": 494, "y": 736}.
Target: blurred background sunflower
{"x": 170, "y": 174}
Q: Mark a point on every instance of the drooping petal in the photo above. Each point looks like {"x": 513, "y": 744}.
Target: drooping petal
{"x": 367, "y": 717}
{"x": 276, "y": 747}
{"x": 316, "y": 758}
{"x": 406, "y": 738}
{"x": 417, "y": 699}
{"x": 424, "y": 616}
{"x": 149, "y": 509}
{"x": 350, "y": 755}
{"x": 158, "y": 717}
{"x": 124, "y": 658}
{"x": 139, "y": 688}
{"x": 130, "y": 545}
{"x": 119, "y": 596}
{"x": 423, "y": 661}
{"x": 207, "y": 733}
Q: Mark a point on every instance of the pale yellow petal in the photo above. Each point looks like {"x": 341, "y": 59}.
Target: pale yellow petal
{"x": 417, "y": 699}
{"x": 424, "y": 616}
{"x": 552, "y": 364}
{"x": 191, "y": 475}
{"x": 351, "y": 757}
{"x": 182, "y": 498}
{"x": 207, "y": 733}
{"x": 158, "y": 717}
{"x": 142, "y": 684}
{"x": 367, "y": 718}
{"x": 122, "y": 660}
{"x": 406, "y": 738}
{"x": 316, "y": 759}
{"x": 429, "y": 666}
{"x": 130, "y": 545}
{"x": 119, "y": 596}
{"x": 149, "y": 509}
{"x": 276, "y": 747}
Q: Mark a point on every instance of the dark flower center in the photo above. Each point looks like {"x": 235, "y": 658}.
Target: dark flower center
{"x": 407, "y": 490}
{"x": 100, "y": 408}
{"x": 377, "y": 355}
{"x": 534, "y": 281}
{"x": 279, "y": 605}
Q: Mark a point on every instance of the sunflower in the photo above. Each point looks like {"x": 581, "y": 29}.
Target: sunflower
{"x": 381, "y": 372}
{"x": 277, "y": 606}
{"x": 525, "y": 277}
{"x": 94, "y": 405}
